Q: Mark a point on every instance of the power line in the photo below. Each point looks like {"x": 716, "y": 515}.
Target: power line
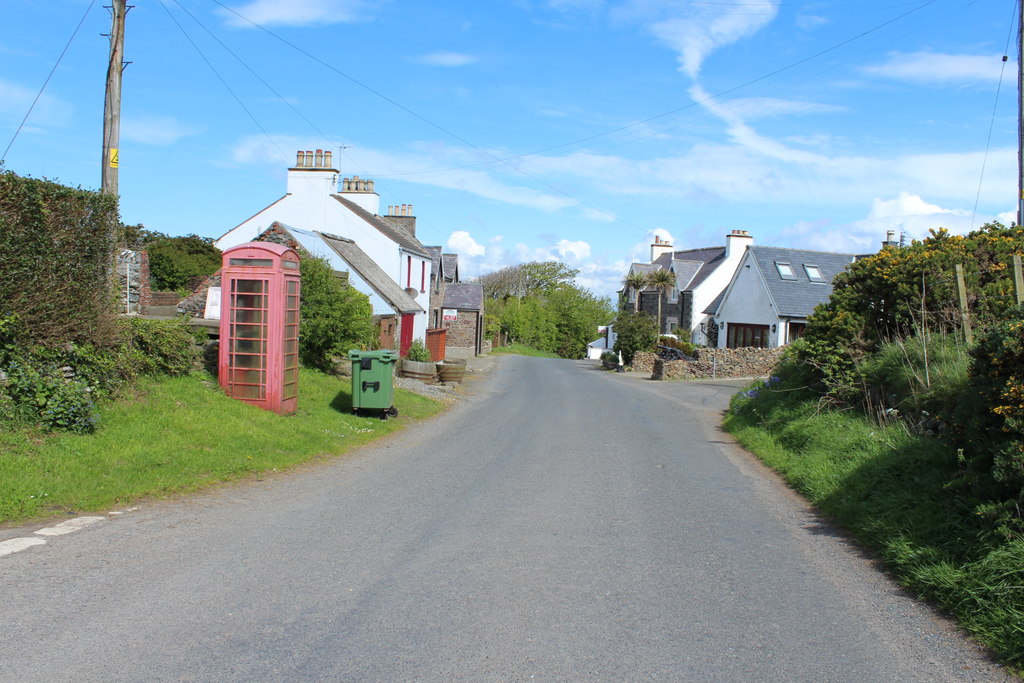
{"x": 428, "y": 121}
{"x": 40, "y": 93}
{"x": 992, "y": 123}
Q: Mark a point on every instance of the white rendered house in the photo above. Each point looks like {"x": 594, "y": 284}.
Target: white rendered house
{"x": 315, "y": 204}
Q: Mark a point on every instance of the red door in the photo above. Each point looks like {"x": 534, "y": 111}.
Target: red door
{"x": 406, "y": 335}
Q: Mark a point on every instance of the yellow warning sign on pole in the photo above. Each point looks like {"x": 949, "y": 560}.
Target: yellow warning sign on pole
{"x": 113, "y": 158}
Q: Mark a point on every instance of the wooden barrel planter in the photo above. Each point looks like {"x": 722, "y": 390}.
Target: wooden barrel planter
{"x": 451, "y": 371}
{"x": 423, "y": 371}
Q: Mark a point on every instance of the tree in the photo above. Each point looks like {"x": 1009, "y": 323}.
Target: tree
{"x": 178, "y": 263}
{"x": 635, "y": 281}
{"x": 536, "y": 278}
{"x": 634, "y": 332}
{"x": 662, "y": 281}
{"x": 537, "y": 304}
{"x": 333, "y": 316}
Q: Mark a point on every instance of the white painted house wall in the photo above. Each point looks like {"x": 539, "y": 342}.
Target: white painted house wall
{"x": 736, "y": 244}
{"x": 747, "y": 301}
{"x": 309, "y": 205}
{"x": 315, "y": 246}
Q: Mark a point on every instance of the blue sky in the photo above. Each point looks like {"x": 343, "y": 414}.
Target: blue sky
{"x": 523, "y": 130}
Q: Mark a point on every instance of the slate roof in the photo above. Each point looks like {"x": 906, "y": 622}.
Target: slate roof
{"x": 464, "y": 296}
{"x": 366, "y": 268}
{"x": 435, "y": 259}
{"x": 393, "y": 232}
{"x": 451, "y": 267}
{"x": 797, "y": 298}
{"x": 685, "y": 272}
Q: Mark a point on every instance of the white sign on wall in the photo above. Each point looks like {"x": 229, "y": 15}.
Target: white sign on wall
{"x": 450, "y": 315}
{"x": 212, "y": 303}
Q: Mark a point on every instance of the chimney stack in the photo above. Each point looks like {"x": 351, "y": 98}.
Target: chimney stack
{"x": 736, "y": 243}
{"x": 660, "y": 247}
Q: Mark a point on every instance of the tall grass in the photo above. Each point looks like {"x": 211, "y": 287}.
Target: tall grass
{"x": 181, "y": 434}
{"x": 889, "y": 487}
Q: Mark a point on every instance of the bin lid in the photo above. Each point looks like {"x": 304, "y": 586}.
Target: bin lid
{"x": 383, "y": 355}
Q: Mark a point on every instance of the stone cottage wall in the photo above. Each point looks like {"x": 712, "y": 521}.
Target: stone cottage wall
{"x": 461, "y": 339}
{"x": 719, "y": 363}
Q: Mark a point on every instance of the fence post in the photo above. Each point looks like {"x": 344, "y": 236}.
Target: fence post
{"x": 961, "y": 290}
{"x": 1018, "y": 280}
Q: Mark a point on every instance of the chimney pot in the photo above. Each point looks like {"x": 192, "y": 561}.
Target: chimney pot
{"x": 328, "y": 159}
{"x": 318, "y": 160}
{"x": 299, "y": 158}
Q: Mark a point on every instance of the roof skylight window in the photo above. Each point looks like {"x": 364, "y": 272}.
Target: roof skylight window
{"x": 785, "y": 271}
{"x": 813, "y": 273}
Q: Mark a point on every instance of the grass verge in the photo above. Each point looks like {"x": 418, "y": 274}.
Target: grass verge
{"x": 177, "y": 435}
{"x": 523, "y": 350}
{"x": 890, "y": 489}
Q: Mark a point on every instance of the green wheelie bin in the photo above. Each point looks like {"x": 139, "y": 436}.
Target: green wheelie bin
{"x": 373, "y": 382}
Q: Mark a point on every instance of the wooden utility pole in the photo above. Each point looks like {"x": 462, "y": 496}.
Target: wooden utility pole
{"x": 1020, "y": 114}
{"x": 112, "y": 103}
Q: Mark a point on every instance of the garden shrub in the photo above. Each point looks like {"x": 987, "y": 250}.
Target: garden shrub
{"x": 418, "y": 352}
{"x": 157, "y": 347}
{"x": 634, "y": 332}
{"x": 57, "y": 387}
{"x": 334, "y": 316}
{"x": 57, "y": 244}
{"x": 991, "y": 419}
{"x": 180, "y": 263}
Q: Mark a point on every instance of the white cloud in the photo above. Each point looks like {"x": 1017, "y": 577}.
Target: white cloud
{"x": 296, "y": 12}
{"x": 752, "y": 108}
{"x": 446, "y": 59}
{"x": 16, "y": 99}
{"x": 695, "y": 30}
{"x": 809, "y": 22}
{"x": 156, "y": 130}
{"x": 933, "y": 67}
{"x": 462, "y": 243}
{"x": 568, "y": 250}
{"x": 907, "y": 215}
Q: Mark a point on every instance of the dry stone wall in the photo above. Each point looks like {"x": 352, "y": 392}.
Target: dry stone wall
{"x": 718, "y": 363}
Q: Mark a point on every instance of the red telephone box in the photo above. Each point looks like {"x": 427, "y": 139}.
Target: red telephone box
{"x": 259, "y": 326}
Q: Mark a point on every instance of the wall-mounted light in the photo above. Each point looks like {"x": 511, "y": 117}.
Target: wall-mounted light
{"x": 773, "y": 328}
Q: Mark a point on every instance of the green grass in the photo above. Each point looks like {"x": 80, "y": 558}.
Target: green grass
{"x": 177, "y": 435}
{"x": 891, "y": 490}
{"x": 523, "y": 350}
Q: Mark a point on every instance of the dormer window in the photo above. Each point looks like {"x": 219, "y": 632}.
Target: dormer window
{"x": 785, "y": 271}
{"x": 813, "y": 273}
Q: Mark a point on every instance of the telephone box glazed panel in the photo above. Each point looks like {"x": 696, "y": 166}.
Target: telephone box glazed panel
{"x": 259, "y": 326}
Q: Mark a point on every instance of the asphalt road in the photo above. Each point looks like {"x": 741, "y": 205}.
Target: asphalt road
{"x": 566, "y": 524}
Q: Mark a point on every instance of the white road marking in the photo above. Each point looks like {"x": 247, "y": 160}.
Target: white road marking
{"x": 17, "y": 544}
{"x": 69, "y": 526}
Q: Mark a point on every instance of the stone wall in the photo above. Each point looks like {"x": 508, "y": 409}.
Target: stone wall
{"x": 461, "y": 334}
{"x": 748, "y": 362}
{"x": 643, "y": 361}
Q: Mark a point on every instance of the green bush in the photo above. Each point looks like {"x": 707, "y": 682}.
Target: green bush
{"x": 634, "y": 332}
{"x": 179, "y": 263}
{"x": 681, "y": 344}
{"x": 334, "y": 317}
{"x": 157, "y": 347}
{"x": 57, "y": 387}
{"x": 991, "y": 415}
{"x": 58, "y": 245}
{"x": 418, "y": 352}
